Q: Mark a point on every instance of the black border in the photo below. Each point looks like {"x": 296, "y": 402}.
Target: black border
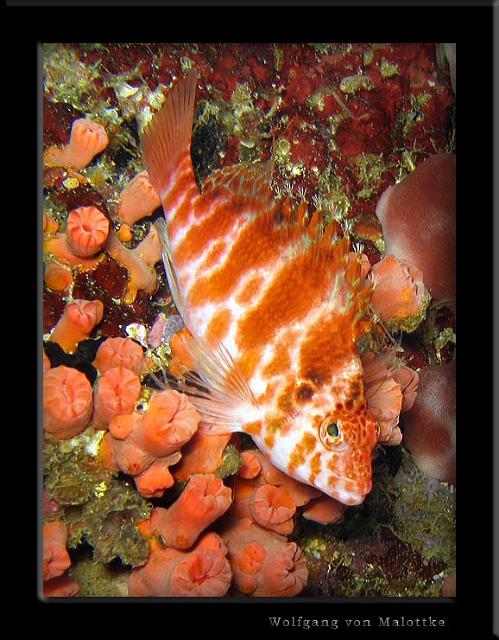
{"x": 471, "y": 28}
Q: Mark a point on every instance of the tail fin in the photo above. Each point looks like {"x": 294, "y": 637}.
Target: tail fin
{"x": 169, "y": 133}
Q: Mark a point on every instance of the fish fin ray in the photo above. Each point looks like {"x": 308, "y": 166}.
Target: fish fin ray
{"x": 245, "y": 187}
{"x": 222, "y": 389}
{"x": 170, "y": 270}
{"x": 169, "y": 133}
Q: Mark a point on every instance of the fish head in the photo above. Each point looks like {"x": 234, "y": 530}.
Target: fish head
{"x": 330, "y": 443}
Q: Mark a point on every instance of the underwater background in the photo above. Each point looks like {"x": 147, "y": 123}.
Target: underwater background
{"x": 345, "y": 122}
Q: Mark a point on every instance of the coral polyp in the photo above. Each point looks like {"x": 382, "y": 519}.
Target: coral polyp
{"x": 248, "y": 320}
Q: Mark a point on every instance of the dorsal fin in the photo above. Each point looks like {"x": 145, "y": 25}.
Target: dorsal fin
{"x": 244, "y": 187}
{"x": 169, "y": 133}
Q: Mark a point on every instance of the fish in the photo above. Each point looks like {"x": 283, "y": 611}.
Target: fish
{"x": 272, "y": 311}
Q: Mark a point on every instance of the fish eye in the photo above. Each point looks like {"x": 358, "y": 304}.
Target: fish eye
{"x": 332, "y": 430}
{"x": 330, "y": 433}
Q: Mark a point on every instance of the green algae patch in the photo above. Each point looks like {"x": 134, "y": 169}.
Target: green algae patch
{"x": 72, "y": 471}
{"x": 231, "y": 462}
{"x": 108, "y": 523}
{"x": 98, "y": 506}
{"x": 99, "y": 580}
{"x": 399, "y": 542}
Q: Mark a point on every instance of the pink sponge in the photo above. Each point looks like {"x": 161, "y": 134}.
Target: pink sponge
{"x": 418, "y": 217}
{"x": 430, "y": 426}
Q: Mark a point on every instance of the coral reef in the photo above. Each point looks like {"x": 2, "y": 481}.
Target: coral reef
{"x": 87, "y": 229}
{"x": 87, "y": 140}
{"x": 144, "y": 445}
{"x": 76, "y": 324}
{"x": 137, "y": 200}
{"x": 119, "y": 352}
{"x": 361, "y": 137}
{"x": 202, "y": 572}
{"x": 67, "y": 402}
{"x": 263, "y": 563}
{"x": 399, "y": 298}
{"x": 204, "y": 499}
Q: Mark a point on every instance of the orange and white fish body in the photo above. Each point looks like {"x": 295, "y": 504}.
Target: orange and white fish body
{"x": 272, "y": 314}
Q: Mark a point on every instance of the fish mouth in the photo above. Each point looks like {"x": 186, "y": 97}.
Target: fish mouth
{"x": 351, "y": 495}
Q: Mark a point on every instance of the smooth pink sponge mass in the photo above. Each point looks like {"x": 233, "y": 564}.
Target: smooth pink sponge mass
{"x": 418, "y": 217}
{"x": 430, "y": 425}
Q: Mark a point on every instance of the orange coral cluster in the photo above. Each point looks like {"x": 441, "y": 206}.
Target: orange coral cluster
{"x": 391, "y": 388}
{"x": 87, "y": 140}
{"x": 264, "y": 512}
{"x": 120, "y": 352}
{"x": 79, "y": 319}
{"x": 252, "y": 522}
{"x": 204, "y": 500}
{"x": 139, "y": 262}
{"x": 186, "y": 562}
{"x": 400, "y": 296}
{"x": 67, "y": 402}
{"x": 138, "y": 199}
{"x": 145, "y": 445}
{"x": 204, "y": 571}
{"x": 116, "y": 394}
{"x": 263, "y": 563}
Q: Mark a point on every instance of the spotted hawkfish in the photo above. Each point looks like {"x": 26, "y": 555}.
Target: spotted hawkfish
{"x": 272, "y": 314}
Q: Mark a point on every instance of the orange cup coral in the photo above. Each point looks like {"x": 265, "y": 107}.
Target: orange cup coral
{"x": 67, "y": 402}
{"x": 202, "y": 454}
{"x": 400, "y": 297}
{"x": 55, "y": 556}
{"x": 202, "y": 572}
{"x": 145, "y": 445}
{"x": 86, "y": 231}
{"x": 138, "y": 199}
{"x": 273, "y": 508}
{"x": 263, "y": 563}
{"x": 116, "y": 394}
{"x": 204, "y": 499}
{"x": 79, "y": 319}
{"x": 87, "y": 140}
{"x": 324, "y": 510}
{"x": 57, "y": 245}
{"x": 390, "y": 388}
{"x": 57, "y": 277}
{"x": 251, "y": 466}
{"x": 139, "y": 262}
{"x": 120, "y": 352}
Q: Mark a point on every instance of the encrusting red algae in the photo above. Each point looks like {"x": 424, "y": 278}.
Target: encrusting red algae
{"x": 298, "y": 334}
